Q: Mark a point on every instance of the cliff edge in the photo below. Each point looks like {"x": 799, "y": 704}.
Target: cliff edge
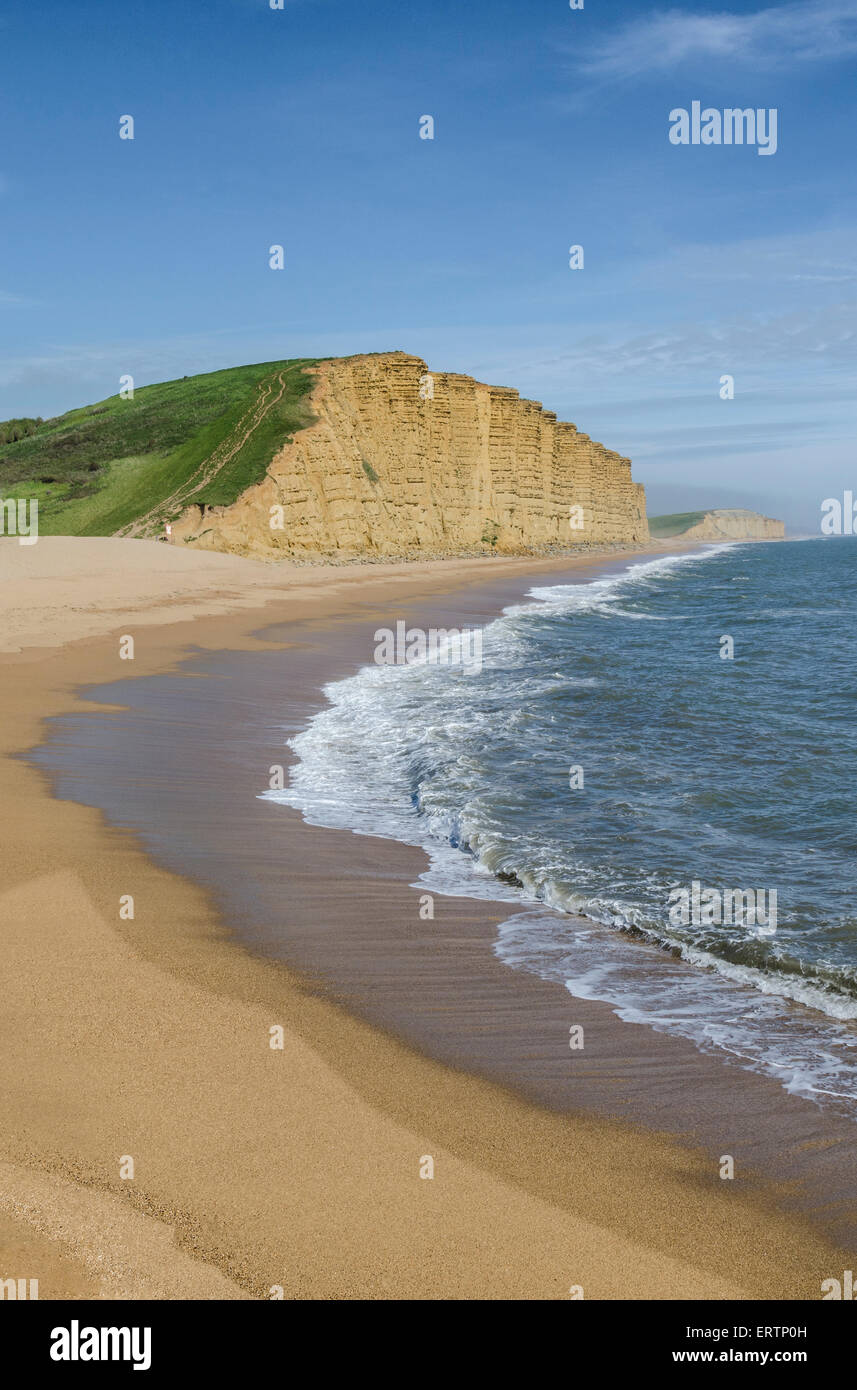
{"x": 401, "y": 462}
{"x": 721, "y": 524}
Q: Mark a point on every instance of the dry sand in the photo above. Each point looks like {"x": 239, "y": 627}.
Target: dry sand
{"x": 298, "y": 1167}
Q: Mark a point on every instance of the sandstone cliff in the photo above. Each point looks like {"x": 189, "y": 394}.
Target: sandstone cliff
{"x": 400, "y": 462}
{"x": 722, "y": 524}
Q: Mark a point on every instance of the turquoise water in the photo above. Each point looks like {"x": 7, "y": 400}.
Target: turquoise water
{"x": 730, "y": 773}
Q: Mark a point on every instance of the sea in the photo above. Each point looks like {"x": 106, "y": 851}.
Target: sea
{"x": 637, "y": 760}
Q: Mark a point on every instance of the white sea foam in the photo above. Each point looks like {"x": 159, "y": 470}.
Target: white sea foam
{"x": 368, "y": 762}
{"x": 735, "y": 1010}
{"x": 604, "y": 594}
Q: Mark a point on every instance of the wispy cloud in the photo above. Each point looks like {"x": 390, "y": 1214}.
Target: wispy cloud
{"x": 825, "y": 336}
{"x": 780, "y": 36}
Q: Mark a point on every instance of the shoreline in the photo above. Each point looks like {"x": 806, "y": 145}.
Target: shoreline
{"x": 633, "y": 1215}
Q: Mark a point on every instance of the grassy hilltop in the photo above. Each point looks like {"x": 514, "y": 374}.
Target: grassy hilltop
{"x": 123, "y": 463}
{"x": 718, "y": 524}
{"x": 663, "y": 527}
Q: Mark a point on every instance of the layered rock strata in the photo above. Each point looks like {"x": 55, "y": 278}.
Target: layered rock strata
{"x": 404, "y": 462}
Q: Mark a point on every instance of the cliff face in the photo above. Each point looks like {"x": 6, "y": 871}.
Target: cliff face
{"x": 399, "y": 464}
{"x": 735, "y": 525}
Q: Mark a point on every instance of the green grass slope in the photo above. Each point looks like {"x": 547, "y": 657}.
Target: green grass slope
{"x": 101, "y": 468}
{"x": 662, "y": 527}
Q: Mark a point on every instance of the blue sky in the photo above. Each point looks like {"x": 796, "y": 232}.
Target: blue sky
{"x": 300, "y": 127}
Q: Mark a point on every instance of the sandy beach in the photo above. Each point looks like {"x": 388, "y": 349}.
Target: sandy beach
{"x": 298, "y": 1168}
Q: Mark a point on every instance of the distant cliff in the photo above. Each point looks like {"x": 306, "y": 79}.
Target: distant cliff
{"x": 722, "y": 524}
{"x": 403, "y": 462}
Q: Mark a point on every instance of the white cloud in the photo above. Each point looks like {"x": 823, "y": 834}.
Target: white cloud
{"x": 780, "y": 36}
{"x": 769, "y": 342}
